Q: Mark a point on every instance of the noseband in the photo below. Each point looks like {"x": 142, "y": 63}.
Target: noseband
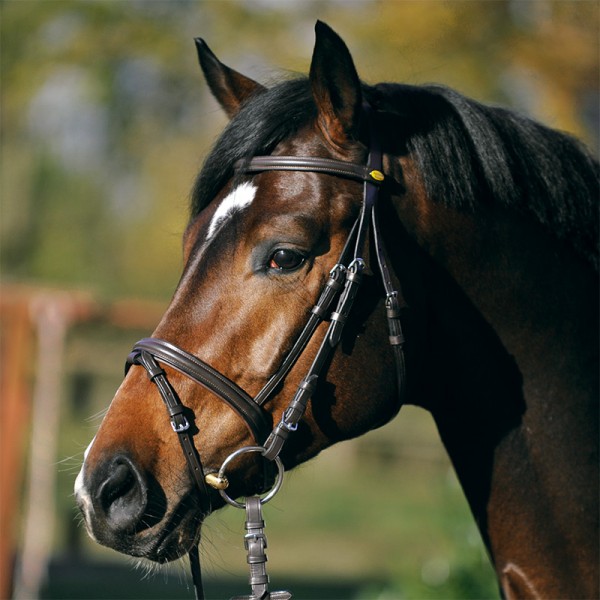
{"x": 343, "y": 283}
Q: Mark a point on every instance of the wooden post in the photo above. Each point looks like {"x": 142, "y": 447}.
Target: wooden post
{"x": 16, "y": 337}
{"x": 52, "y": 314}
{"x": 27, "y": 313}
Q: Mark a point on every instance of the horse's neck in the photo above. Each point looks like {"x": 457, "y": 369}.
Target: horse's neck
{"x": 512, "y": 385}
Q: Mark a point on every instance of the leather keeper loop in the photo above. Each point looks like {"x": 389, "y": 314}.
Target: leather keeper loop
{"x": 393, "y": 313}
{"x": 176, "y": 411}
{"x": 319, "y": 310}
{"x": 308, "y": 384}
{"x": 335, "y": 284}
{"x": 396, "y": 340}
{"x": 154, "y": 371}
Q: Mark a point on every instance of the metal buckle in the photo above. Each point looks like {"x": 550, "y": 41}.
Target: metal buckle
{"x": 255, "y": 538}
{"x": 338, "y": 269}
{"x": 181, "y": 427}
{"x": 356, "y": 266}
{"x": 289, "y": 426}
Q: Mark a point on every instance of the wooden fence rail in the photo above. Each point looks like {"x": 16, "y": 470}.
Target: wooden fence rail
{"x": 34, "y": 324}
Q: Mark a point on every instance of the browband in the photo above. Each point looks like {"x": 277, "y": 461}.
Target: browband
{"x": 329, "y": 166}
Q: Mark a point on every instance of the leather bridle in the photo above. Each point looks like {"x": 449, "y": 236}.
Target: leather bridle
{"x": 343, "y": 283}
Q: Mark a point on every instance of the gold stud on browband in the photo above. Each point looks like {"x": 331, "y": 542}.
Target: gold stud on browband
{"x": 219, "y": 483}
{"x": 377, "y": 175}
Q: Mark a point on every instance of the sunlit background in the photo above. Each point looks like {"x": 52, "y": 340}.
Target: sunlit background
{"x": 105, "y": 122}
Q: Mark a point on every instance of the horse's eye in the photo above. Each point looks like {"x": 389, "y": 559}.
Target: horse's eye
{"x": 286, "y": 260}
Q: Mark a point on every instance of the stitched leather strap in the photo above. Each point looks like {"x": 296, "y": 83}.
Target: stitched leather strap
{"x": 311, "y": 164}
{"x": 180, "y": 423}
{"x": 256, "y": 418}
{"x": 393, "y": 292}
{"x": 319, "y": 312}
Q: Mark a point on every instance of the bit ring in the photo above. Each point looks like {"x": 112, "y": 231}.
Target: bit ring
{"x": 245, "y": 450}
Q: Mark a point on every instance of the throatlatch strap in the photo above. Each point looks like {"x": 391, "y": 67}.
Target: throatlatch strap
{"x": 393, "y": 293}
{"x": 394, "y": 308}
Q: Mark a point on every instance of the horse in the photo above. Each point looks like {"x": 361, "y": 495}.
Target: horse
{"x": 325, "y": 206}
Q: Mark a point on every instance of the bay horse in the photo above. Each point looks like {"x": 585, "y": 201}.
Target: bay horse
{"x": 325, "y": 205}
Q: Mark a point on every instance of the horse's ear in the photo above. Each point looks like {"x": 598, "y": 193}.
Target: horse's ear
{"x": 335, "y": 86}
{"x": 230, "y": 88}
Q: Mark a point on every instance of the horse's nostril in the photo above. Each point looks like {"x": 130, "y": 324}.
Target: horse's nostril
{"x": 122, "y": 496}
{"x": 119, "y": 483}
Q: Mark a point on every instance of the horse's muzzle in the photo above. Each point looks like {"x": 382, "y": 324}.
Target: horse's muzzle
{"x": 125, "y": 509}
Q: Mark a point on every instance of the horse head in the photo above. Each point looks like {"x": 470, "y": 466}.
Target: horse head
{"x": 259, "y": 250}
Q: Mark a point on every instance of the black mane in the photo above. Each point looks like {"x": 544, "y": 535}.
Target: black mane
{"x": 467, "y": 153}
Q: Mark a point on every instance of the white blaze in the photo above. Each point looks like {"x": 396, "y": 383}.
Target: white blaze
{"x": 236, "y": 200}
{"x": 80, "y": 492}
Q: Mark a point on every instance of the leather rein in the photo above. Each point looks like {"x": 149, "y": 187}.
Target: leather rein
{"x": 343, "y": 284}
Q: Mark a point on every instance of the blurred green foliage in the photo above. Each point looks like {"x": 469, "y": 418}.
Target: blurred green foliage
{"x": 105, "y": 118}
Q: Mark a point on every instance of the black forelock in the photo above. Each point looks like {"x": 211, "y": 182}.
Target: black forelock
{"x": 266, "y": 119}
